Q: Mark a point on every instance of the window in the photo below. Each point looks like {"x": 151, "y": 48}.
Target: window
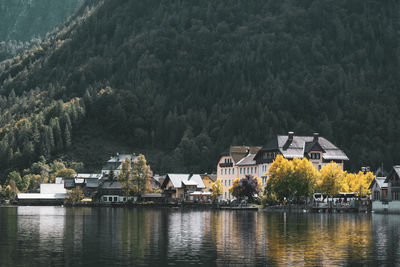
{"x": 225, "y": 182}
{"x": 315, "y": 155}
{"x": 110, "y": 199}
{"x": 225, "y": 171}
{"x": 225, "y": 195}
{"x": 255, "y": 169}
{"x": 233, "y": 171}
{"x": 376, "y": 195}
{"x": 221, "y": 171}
{"x": 240, "y": 170}
{"x": 115, "y": 199}
{"x": 104, "y": 198}
{"x": 124, "y": 199}
{"x": 229, "y": 171}
{"x": 247, "y": 170}
{"x": 251, "y": 170}
{"x": 229, "y": 182}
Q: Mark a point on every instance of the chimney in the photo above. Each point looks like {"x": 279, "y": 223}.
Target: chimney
{"x": 316, "y": 137}
{"x": 290, "y": 136}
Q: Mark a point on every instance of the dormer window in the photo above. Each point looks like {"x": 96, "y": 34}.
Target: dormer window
{"x": 315, "y": 155}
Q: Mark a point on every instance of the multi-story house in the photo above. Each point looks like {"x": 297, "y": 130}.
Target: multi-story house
{"x": 317, "y": 149}
{"x": 245, "y": 160}
{"x": 227, "y": 168}
{"x": 114, "y": 164}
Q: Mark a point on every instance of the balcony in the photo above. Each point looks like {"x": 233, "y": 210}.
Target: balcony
{"x": 226, "y": 164}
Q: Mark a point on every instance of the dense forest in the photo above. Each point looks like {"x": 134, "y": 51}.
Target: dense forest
{"x": 183, "y": 80}
{"x": 24, "y": 23}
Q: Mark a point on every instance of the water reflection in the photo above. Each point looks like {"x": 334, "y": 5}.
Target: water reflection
{"x": 159, "y": 237}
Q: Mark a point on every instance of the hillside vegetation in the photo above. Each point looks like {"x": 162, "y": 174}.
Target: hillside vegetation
{"x": 24, "y": 23}
{"x": 186, "y": 79}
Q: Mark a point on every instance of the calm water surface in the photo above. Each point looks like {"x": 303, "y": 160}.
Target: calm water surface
{"x": 57, "y": 236}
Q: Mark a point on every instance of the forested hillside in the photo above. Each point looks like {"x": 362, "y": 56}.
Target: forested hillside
{"x": 24, "y": 23}
{"x": 183, "y": 80}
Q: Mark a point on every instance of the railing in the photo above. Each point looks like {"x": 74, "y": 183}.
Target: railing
{"x": 226, "y": 164}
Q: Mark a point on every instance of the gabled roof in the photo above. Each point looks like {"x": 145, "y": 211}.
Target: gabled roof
{"x": 213, "y": 176}
{"x": 248, "y": 160}
{"x": 312, "y": 146}
{"x": 380, "y": 181}
{"x": 115, "y": 161}
{"x": 395, "y": 170}
{"x": 178, "y": 180}
{"x": 121, "y": 157}
{"x": 239, "y": 152}
{"x": 297, "y": 146}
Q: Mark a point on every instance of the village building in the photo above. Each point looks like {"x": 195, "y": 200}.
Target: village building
{"x": 318, "y": 150}
{"x": 49, "y": 194}
{"x": 227, "y": 169}
{"x": 114, "y": 164}
{"x": 246, "y": 160}
{"x": 208, "y": 180}
{"x": 379, "y": 189}
{"x": 111, "y": 191}
{"x": 391, "y": 189}
{"x": 184, "y": 187}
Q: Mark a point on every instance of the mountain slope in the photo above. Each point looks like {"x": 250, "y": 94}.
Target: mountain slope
{"x": 191, "y": 78}
{"x": 25, "y": 22}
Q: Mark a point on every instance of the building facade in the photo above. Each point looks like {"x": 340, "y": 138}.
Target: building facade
{"x": 246, "y": 160}
{"x": 228, "y": 170}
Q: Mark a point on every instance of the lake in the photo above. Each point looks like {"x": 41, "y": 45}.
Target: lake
{"x": 58, "y": 236}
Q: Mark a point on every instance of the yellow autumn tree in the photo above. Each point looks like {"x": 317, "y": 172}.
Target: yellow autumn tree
{"x": 291, "y": 178}
{"x": 330, "y": 179}
{"x": 304, "y": 177}
{"x": 217, "y": 189}
{"x": 357, "y": 183}
{"x": 259, "y": 183}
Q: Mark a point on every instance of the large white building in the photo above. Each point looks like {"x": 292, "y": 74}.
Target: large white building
{"x": 48, "y": 193}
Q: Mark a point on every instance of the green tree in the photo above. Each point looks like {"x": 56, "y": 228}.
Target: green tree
{"x": 65, "y": 173}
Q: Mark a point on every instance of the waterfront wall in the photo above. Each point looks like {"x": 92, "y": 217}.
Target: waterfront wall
{"x": 390, "y": 207}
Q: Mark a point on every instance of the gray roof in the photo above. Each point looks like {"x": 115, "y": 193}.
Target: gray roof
{"x": 89, "y": 175}
{"x": 92, "y": 183}
{"x": 111, "y": 185}
{"x": 248, "y": 160}
{"x": 381, "y": 182}
{"x": 296, "y": 148}
{"x": 115, "y": 161}
{"x": 178, "y": 179}
{"x": 396, "y": 168}
{"x": 239, "y": 152}
{"x": 121, "y": 157}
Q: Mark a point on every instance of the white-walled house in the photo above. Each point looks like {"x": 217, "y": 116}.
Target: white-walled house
{"x": 50, "y": 193}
